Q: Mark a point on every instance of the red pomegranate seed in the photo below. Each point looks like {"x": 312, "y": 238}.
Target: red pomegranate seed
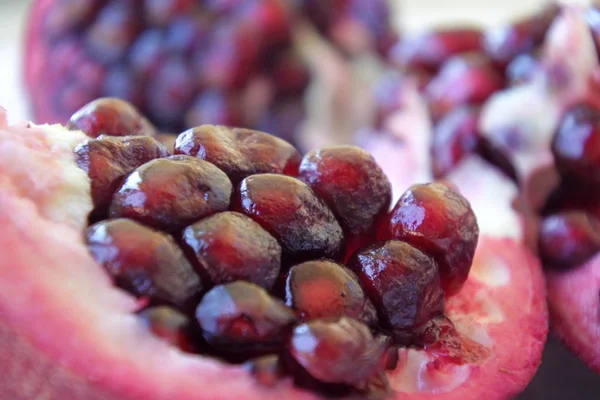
{"x": 144, "y": 262}
{"x": 354, "y": 187}
{"x": 323, "y": 288}
{"x": 169, "y": 325}
{"x": 110, "y": 116}
{"x": 171, "y": 193}
{"x": 576, "y": 144}
{"x": 239, "y": 152}
{"x": 441, "y": 223}
{"x": 569, "y": 239}
{"x": 108, "y": 160}
{"x": 229, "y": 246}
{"x": 240, "y": 316}
{"x": 289, "y": 209}
{"x": 267, "y": 370}
{"x": 403, "y": 283}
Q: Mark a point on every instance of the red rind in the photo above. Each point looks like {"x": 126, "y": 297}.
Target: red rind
{"x": 518, "y": 294}
{"x": 574, "y": 303}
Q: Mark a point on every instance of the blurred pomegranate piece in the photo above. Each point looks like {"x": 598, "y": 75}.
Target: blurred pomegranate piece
{"x": 522, "y": 69}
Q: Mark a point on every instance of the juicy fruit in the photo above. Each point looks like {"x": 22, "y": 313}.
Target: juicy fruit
{"x": 229, "y": 246}
{"x": 325, "y": 289}
{"x": 292, "y": 213}
{"x": 129, "y": 362}
{"x": 239, "y": 152}
{"x": 441, "y": 223}
{"x": 145, "y": 262}
{"x": 173, "y": 192}
{"x": 403, "y": 283}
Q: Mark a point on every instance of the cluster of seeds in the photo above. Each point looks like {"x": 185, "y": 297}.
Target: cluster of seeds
{"x": 246, "y": 251}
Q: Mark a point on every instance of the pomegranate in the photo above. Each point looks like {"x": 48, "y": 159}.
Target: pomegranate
{"x": 90, "y": 336}
{"x": 184, "y": 63}
{"x": 525, "y": 158}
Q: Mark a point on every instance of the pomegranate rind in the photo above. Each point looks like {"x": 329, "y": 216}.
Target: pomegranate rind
{"x": 575, "y": 310}
{"x": 502, "y": 307}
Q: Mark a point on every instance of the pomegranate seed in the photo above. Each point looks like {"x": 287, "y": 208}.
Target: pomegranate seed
{"x": 456, "y": 135}
{"x": 267, "y": 370}
{"x": 171, "y": 193}
{"x": 239, "y": 152}
{"x": 404, "y": 285}
{"x": 441, "y": 223}
{"x": 214, "y": 107}
{"x": 323, "y": 288}
{"x": 240, "y": 317}
{"x": 522, "y": 69}
{"x": 162, "y": 12}
{"x": 469, "y": 79}
{"x": 169, "y": 325}
{"x": 431, "y": 50}
{"x": 228, "y": 246}
{"x": 108, "y": 160}
{"x": 329, "y": 349}
{"x": 289, "y": 209}
{"x": 569, "y": 239}
{"x": 110, "y": 116}
{"x": 144, "y": 262}
{"x": 576, "y": 144}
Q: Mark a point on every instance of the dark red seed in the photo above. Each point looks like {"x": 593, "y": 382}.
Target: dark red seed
{"x": 147, "y": 263}
{"x": 330, "y": 350}
{"x": 455, "y": 136}
{"x": 352, "y": 184}
{"x": 169, "y": 325}
{"x": 323, "y": 288}
{"x": 239, "y": 152}
{"x": 441, "y": 223}
{"x": 267, "y": 370}
{"x": 240, "y": 317}
{"x": 576, "y": 144}
{"x": 229, "y": 246}
{"x": 569, "y": 239}
{"x": 467, "y": 79}
{"x": 403, "y": 283}
{"x": 171, "y": 193}
{"x": 108, "y": 160}
{"x": 431, "y": 50}
{"x": 291, "y": 75}
{"x": 289, "y": 209}
{"x": 504, "y": 43}
{"x": 110, "y": 116}
{"x": 148, "y": 53}
{"x": 354, "y": 187}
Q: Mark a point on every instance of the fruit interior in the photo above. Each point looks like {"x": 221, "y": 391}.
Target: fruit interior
{"x": 106, "y": 351}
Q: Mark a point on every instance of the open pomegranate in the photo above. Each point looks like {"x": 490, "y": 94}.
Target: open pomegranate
{"x": 189, "y": 62}
{"x": 526, "y": 155}
{"x": 234, "y": 268}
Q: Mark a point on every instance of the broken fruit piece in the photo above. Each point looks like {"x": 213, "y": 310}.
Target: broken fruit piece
{"x": 463, "y": 341}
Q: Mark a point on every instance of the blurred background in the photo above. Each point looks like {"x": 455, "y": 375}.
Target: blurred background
{"x": 561, "y": 375}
